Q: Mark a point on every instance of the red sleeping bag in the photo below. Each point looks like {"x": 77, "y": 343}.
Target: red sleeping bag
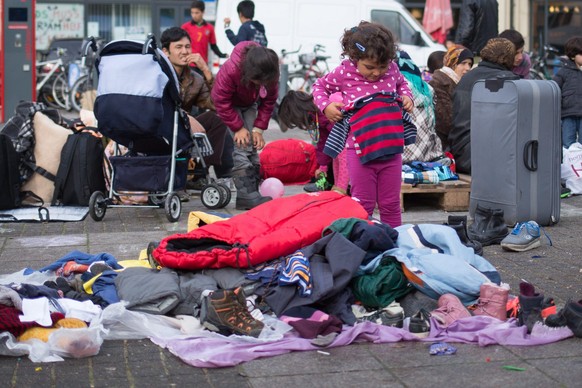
{"x": 289, "y": 160}
{"x": 274, "y": 229}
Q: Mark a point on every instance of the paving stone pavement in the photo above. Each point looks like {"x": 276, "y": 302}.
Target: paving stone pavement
{"x": 555, "y": 271}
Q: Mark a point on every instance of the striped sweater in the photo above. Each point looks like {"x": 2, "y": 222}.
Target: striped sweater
{"x": 379, "y": 127}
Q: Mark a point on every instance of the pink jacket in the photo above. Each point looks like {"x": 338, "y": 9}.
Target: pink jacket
{"x": 347, "y": 79}
{"x": 229, "y": 92}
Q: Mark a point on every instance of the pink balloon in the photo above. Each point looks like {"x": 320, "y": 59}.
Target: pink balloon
{"x": 272, "y": 187}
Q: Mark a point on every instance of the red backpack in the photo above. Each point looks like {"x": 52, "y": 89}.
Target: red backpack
{"x": 292, "y": 161}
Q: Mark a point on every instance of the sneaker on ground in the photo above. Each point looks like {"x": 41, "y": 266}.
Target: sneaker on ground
{"x": 420, "y": 324}
{"x": 223, "y": 311}
{"x": 391, "y": 315}
{"x": 565, "y": 192}
{"x": 525, "y": 236}
{"x": 321, "y": 184}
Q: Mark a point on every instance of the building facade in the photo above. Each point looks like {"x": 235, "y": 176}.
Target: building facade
{"x": 134, "y": 19}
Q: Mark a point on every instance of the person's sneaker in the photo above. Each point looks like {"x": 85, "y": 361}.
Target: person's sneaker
{"x": 183, "y": 195}
{"x": 420, "y": 324}
{"x": 570, "y": 315}
{"x": 225, "y": 311}
{"x": 523, "y": 237}
{"x": 391, "y": 315}
{"x": 565, "y": 192}
{"x": 450, "y": 309}
{"x": 321, "y": 184}
{"x": 196, "y": 184}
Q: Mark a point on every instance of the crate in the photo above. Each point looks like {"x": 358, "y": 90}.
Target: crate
{"x": 450, "y": 196}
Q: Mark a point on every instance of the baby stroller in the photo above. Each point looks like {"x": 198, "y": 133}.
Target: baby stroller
{"x": 138, "y": 106}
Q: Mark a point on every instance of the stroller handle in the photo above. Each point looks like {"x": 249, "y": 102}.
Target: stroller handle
{"x": 89, "y": 42}
{"x": 151, "y": 41}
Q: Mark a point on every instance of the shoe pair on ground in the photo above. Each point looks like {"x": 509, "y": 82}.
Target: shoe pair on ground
{"x": 226, "y": 312}
{"x": 391, "y": 315}
{"x": 492, "y": 302}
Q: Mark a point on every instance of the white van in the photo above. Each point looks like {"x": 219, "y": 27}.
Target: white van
{"x": 294, "y": 24}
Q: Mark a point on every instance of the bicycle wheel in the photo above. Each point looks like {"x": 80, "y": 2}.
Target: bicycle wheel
{"x": 79, "y": 88}
{"x": 61, "y": 91}
{"x": 534, "y": 74}
{"x": 300, "y": 83}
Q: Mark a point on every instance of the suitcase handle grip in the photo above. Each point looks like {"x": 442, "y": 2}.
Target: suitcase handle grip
{"x": 530, "y": 155}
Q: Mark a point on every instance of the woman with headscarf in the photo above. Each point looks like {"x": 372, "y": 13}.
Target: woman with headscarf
{"x": 428, "y": 145}
{"x": 497, "y": 59}
{"x": 457, "y": 61}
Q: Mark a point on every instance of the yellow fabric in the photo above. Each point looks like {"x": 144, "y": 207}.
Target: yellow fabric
{"x": 197, "y": 219}
{"x": 42, "y": 333}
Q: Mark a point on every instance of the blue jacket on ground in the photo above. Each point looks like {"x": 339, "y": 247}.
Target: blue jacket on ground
{"x": 437, "y": 263}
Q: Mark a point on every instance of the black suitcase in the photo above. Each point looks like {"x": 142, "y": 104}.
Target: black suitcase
{"x": 515, "y": 149}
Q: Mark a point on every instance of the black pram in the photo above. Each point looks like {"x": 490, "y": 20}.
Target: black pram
{"x": 138, "y": 106}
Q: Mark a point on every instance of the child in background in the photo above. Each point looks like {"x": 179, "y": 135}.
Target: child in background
{"x": 569, "y": 78}
{"x": 244, "y": 94}
{"x": 374, "y": 94}
{"x": 297, "y": 109}
{"x": 201, "y": 33}
{"x": 250, "y": 30}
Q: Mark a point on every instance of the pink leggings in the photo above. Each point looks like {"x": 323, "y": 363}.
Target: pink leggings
{"x": 377, "y": 182}
{"x": 341, "y": 176}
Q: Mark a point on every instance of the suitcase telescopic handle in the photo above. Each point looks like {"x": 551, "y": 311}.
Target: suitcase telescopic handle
{"x": 530, "y": 155}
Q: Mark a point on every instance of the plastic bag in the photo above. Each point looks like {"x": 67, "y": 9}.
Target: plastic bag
{"x": 76, "y": 343}
{"x": 572, "y": 168}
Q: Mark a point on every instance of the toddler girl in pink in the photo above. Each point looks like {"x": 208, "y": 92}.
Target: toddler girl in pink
{"x": 374, "y": 93}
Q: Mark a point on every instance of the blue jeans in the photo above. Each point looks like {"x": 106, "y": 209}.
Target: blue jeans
{"x": 571, "y": 130}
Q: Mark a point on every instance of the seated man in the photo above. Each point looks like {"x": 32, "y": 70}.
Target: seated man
{"x": 195, "y": 93}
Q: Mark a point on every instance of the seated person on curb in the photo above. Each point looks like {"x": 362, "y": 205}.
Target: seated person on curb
{"x": 522, "y": 63}
{"x": 195, "y": 92}
{"x": 497, "y": 59}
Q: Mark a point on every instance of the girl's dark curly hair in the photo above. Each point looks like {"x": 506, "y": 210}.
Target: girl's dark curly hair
{"x": 296, "y": 110}
{"x": 260, "y": 64}
{"x": 369, "y": 41}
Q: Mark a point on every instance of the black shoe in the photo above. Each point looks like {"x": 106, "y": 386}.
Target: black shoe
{"x": 488, "y": 226}
{"x": 570, "y": 315}
{"x": 420, "y": 324}
{"x": 530, "y": 306}
{"x": 461, "y": 230}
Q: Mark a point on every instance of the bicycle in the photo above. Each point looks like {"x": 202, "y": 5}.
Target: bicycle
{"x": 313, "y": 66}
{"x": 52, "y": 85}
{"x": 542, "y": 67}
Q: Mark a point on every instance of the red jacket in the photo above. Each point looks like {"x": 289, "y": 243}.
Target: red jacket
{"x": 228, "y": 92}
{"x": 274, "y": 229}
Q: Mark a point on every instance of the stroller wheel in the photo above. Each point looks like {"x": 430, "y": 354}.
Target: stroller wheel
{"x": 97, "y": 206}
{"x": 226, "y": 193}
{"x": 212, "y": 196}
{"x": 173, "y": 207}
